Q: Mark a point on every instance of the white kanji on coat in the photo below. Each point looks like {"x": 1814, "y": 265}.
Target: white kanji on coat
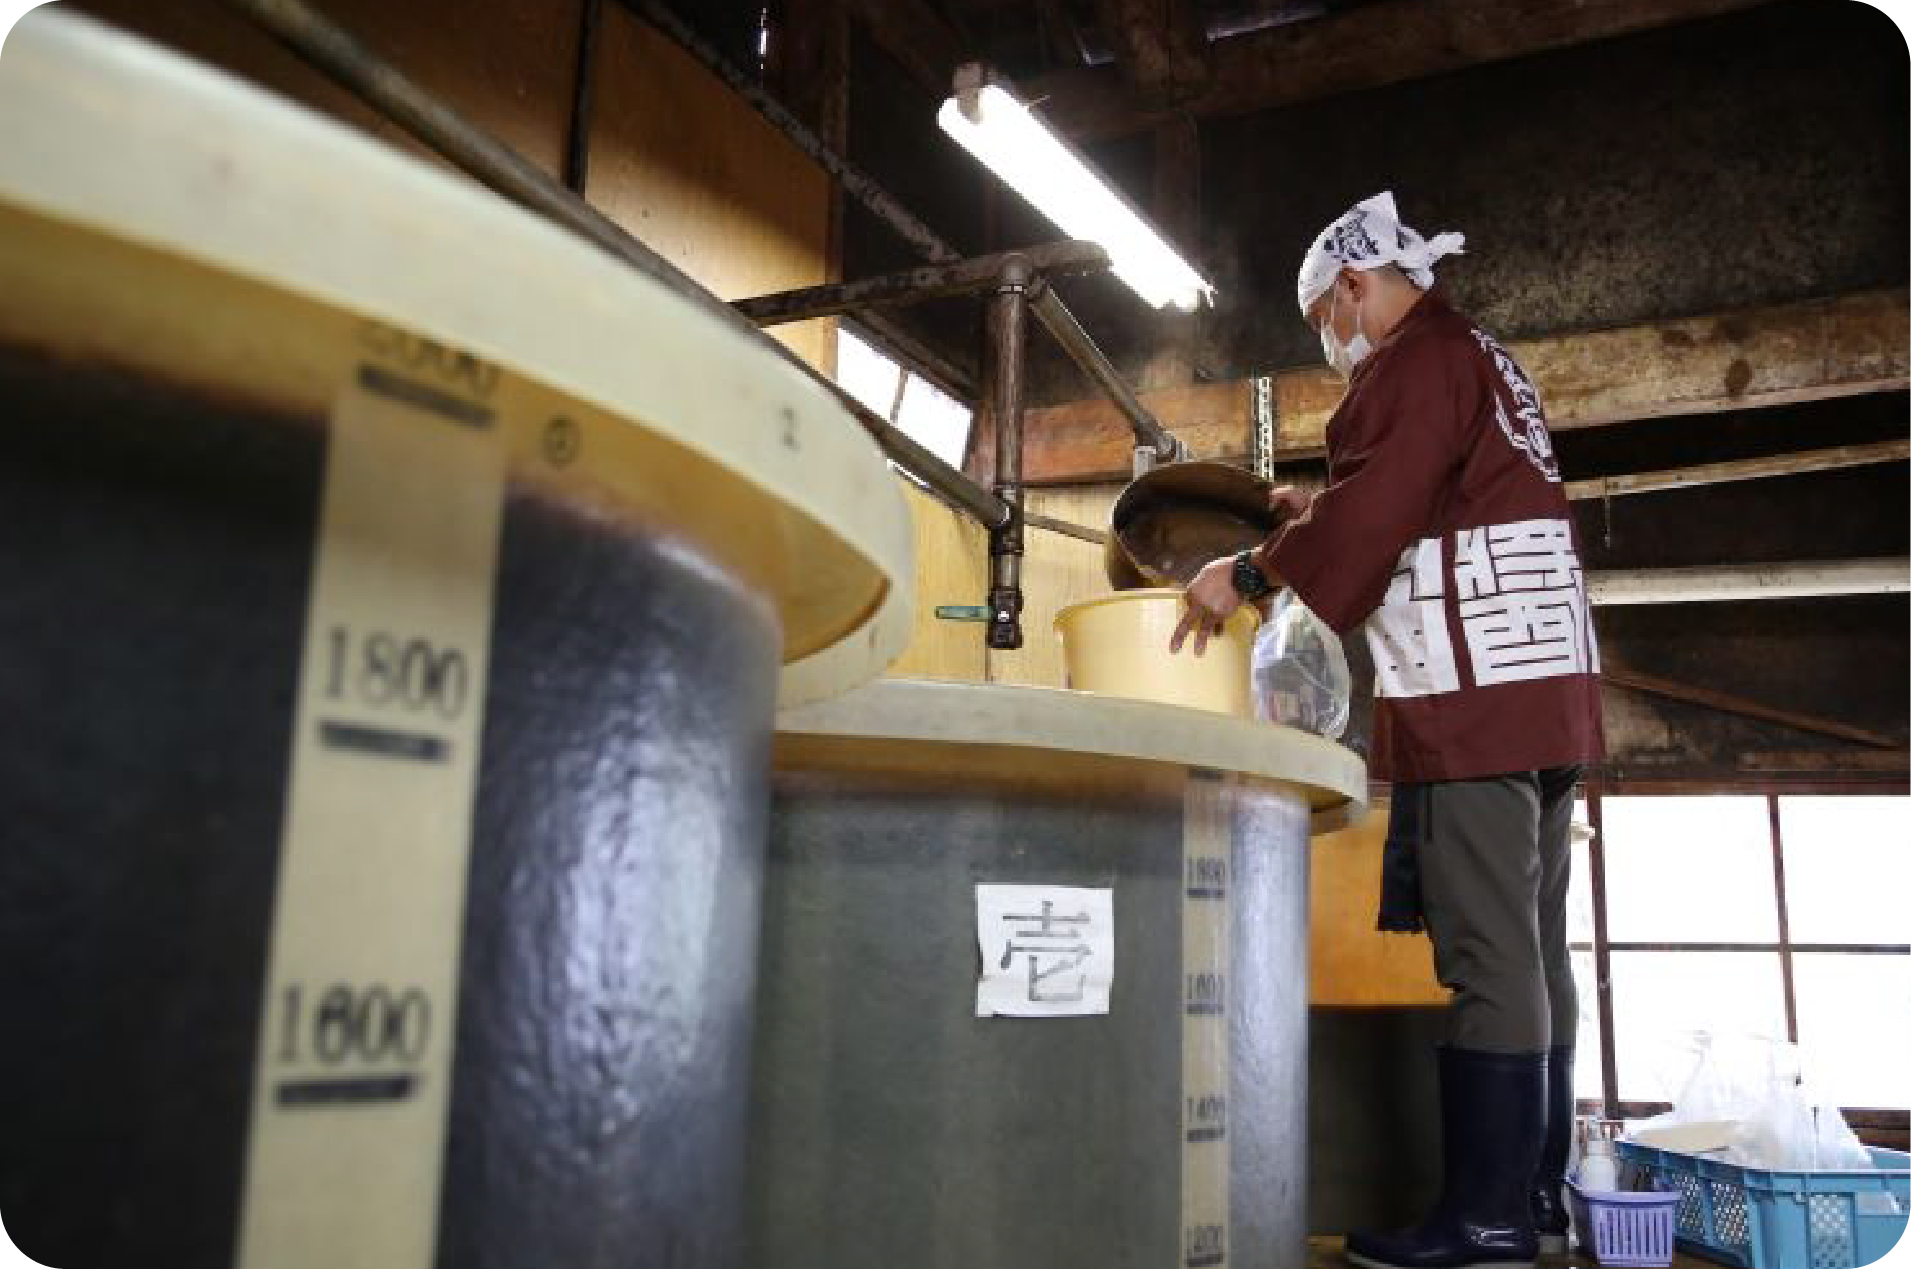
{"x": 1407, "y": 634}
{"x": 1522, "y": 602}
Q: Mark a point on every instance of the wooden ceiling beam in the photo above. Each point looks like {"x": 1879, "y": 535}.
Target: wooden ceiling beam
{"x": 1832, "y": 458}
{"x": 1836, "y": 761}
{"x": 1161, "y": 48}
{"x": 1364, "y": 48}
{"x": 1730, "y": 703}
{"x": 920, "y": 40}
{"x": 1787, "y": 353}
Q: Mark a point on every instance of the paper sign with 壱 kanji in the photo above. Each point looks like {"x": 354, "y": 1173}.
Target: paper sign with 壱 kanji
{"x": 1047, "y": 951}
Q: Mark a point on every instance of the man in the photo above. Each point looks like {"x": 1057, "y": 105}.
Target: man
{"x": 1443, "y": 527}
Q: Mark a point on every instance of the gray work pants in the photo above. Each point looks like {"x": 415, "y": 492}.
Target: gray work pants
{"x": 1494, "y": 866}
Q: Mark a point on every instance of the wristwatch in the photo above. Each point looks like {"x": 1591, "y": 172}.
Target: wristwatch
{"x": 1249, "y": 582}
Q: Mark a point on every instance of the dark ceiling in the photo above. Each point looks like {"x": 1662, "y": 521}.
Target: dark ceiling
{"x": 1021, "y": 38}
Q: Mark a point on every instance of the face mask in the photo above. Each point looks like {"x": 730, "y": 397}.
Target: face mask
{"x": 1343, "y": 357}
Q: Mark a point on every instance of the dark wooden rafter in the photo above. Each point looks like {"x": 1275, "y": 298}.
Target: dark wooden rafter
{"x": 1363, "y": 48}
{"x": 1177, "y": 214}
{"x": 1840, "y": 762}
{"x": 1830, "y": 459}
{"x": 920, "y": 39}
{"x": 810, "y": 67}
{"x": 1063, "y": 32}
{"x": 1729, "y": 703}
{"x": 1161, "y": 47}
{"x": 577, "y": 142}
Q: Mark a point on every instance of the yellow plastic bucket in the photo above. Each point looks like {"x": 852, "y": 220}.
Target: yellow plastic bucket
{"x": 1118, "y": 646}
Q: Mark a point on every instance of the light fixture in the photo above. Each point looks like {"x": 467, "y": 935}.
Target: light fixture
{"x": 1019, "y": 148}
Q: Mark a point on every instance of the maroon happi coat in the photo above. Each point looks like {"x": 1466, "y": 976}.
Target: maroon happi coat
{"x": 1445, "y": 529}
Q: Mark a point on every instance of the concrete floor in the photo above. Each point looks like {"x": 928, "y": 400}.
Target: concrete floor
{"x": 1325, "y": 1253}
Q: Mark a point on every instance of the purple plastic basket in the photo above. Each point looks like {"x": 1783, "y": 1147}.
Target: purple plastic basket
{"x": 1624, "y": 1227}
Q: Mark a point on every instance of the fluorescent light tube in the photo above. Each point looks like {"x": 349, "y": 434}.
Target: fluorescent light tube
{"x": 1035, "y": 163}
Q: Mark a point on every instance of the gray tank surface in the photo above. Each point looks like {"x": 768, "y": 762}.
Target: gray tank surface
{"x": 890, "y": 1124}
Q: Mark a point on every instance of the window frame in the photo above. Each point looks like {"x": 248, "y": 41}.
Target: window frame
{"x": 1602, "y": 947}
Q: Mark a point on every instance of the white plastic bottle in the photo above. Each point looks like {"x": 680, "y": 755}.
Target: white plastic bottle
{"x": 1598, "y": 1169}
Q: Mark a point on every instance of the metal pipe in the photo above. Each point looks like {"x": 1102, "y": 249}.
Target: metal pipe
{"x": 866, "y": 191}
{"x": 1008, "y": 351}
{"x": 382, "y": 86}
{"x": 910, "y": 286}
{"x": 883, "y": 205}
{"x": 1076, "y": 342}
{"x": 1065, "y": 528}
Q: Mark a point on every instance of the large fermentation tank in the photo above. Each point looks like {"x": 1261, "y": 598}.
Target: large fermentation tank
{"x": 891, "y": 1125}
{"x": 392, "y": 596}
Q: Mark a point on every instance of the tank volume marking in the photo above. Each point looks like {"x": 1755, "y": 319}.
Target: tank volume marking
{"x": 1206, "y": 1245}
{"x": 1206, "y": 993}
{"x": 1206, "y": 1117}
{"x": 346, "y": 1090}
{"x": 383, "y": 742}
{"x": 1207, "y": 846}
{"x": 351, "y": 1090}
{"x": 1207, "y": 878}
{"x": 396, "y": 387}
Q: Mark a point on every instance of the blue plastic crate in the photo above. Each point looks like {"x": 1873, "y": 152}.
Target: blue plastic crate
{"x": 1782, "y": 1220}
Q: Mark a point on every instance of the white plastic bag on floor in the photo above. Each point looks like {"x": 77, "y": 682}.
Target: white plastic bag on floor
{"x": 1744, "y": 1094}
{"x": 1300, "y": 676}
{"x": 1788, "y": 1131}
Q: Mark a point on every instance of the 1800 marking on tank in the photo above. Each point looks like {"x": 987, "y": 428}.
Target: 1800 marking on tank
{"x": 379, "y": 668}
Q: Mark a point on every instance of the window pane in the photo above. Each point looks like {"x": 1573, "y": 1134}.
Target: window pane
{"x": 1659, "y": 999}
{"x": 935, "y": 419}
{"x": 1847, "y": 868}
{"x": 1586, "y": 1074}
{"x": 865, "y": 373}
{"x": 1579, "y": 905}
{"x": 1689, "y": 870}
{"x": 1854, "y": 1026}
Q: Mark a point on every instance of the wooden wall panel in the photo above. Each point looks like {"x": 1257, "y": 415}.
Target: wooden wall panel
{"x": 1349, "y": 962}
{"x": 506, "y": 65}
{"x": 676, "y": 158}
{"x": 706, "y": 182}
{"x": 951, "y": 568}
{"x": 1088, "y": 440}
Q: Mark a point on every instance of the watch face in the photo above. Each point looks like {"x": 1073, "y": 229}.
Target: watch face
{"x": 1248, "y": 579}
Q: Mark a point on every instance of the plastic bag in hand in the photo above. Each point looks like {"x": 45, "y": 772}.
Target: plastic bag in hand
{"x": 1300, "y": 670}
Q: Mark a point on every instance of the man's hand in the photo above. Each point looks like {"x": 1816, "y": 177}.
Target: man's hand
{"x": 1287, "y": 502}
{"x": 1211, "y": 599}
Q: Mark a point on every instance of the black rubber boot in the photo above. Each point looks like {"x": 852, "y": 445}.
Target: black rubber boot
{"x": 1492, "y": 1115}
{"x": 1549, "y": 1205}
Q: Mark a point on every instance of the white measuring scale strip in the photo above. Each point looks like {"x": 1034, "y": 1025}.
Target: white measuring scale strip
{"x": 353, "y": 1076}
{"x": 1207, "y": 841}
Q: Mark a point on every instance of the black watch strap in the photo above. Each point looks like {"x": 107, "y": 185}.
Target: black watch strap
{"x": 1249, "y": 581}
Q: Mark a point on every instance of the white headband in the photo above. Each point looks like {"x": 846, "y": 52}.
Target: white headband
{"x": 1367, "y": 237}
